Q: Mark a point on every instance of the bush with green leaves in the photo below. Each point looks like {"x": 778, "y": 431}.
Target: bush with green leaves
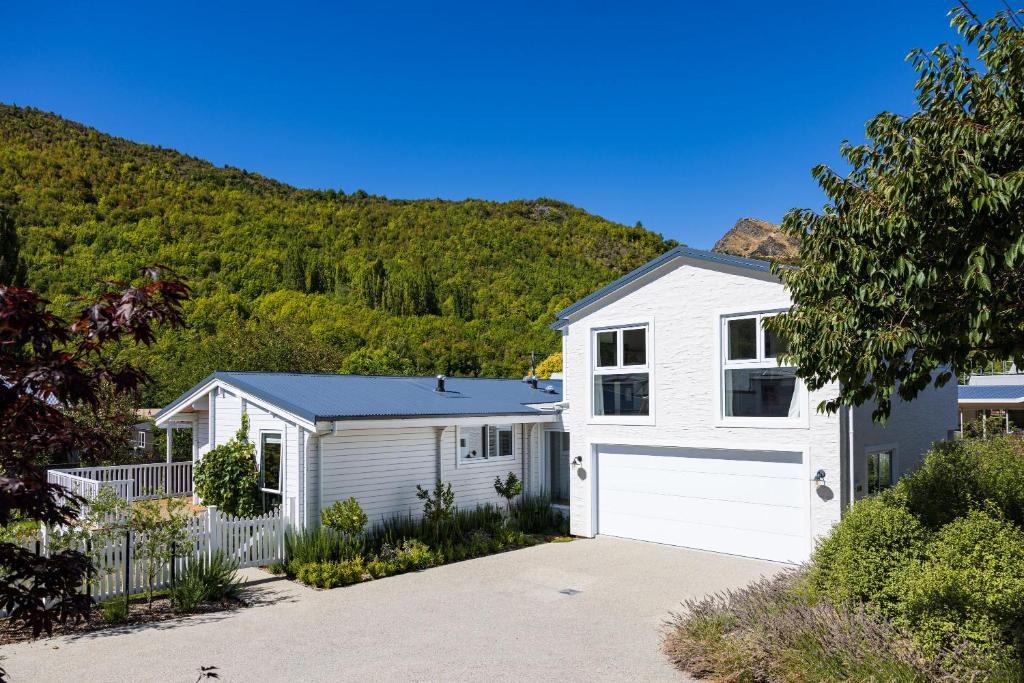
{"x": 508, "y": 489}
{"x": 227, "y": 477}
{"x": 969, "y": 585}
{"x": 332, "y": 574}
{"x": 437, "y": 504}
{"x": 207, "y": 580}
{"x": 346, "y": 516}
{"x": 534, "y": 515}
{"x": 858, "y": 562}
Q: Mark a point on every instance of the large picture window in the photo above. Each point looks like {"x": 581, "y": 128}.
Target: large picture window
{"x": 754, "y": 385}
{"x": 621, "y": 372}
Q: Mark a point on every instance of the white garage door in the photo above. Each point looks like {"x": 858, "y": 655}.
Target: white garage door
{"x": 752, "y": 503}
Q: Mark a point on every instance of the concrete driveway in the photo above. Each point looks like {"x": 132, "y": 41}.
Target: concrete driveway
{"x": 504, "y": 617}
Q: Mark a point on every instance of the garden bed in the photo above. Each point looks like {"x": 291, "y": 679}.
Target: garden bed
{"x": 104, "y": 616}
{"x": 329, "y": 557}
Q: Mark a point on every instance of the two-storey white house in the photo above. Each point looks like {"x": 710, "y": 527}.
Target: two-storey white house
{"x": 674, "y": 423}
{"x": 683, "y": 428}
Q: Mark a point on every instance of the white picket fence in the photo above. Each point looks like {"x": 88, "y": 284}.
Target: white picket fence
{"x": 132, "y": 482}
{"x": 252, "y": 541}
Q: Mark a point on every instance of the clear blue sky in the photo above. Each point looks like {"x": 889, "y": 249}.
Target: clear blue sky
{"x": 683, "y": 116}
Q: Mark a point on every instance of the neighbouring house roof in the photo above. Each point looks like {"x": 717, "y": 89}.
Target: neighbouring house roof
{"x": 671, "y": 255}
{"x": 991, "y": 393}
{"x": 340, "y": 397}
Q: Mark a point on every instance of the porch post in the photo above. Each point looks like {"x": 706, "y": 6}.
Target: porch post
{"x": 170, "y": 443}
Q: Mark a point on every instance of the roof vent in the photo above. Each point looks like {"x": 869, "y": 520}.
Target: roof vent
{"x": 440, "y": 383}
{"x": 548, "y": 389}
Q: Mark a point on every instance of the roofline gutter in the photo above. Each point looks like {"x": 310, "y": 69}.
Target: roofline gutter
{"x": 342, "y": 425}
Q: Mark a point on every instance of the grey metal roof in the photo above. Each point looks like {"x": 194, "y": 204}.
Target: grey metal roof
{"x": 991, "y": 392}
{"x": 677, "y": 252}
{"x": 340, "y": 397}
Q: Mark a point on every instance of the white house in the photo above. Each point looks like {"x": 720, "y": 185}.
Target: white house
{"x": 684, "y": 429}
{"x": 323, "y": 438}
{"x": 673, "y": 423}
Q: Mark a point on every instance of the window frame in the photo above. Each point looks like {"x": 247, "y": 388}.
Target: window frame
{"x": 263, "y": 433}
{"x": 140, "y": 438}
{"x": 462, "y": 460}
{"x": 878, "y": 449}
{"x": 723, "y": 364}
{"x": 621, "y": 369}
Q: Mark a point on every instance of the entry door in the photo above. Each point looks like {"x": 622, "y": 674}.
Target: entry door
{"x": 751, "y": 503}
{"x": 556, "y": 466}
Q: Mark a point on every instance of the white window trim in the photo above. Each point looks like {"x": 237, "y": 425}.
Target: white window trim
{"x": 722, "y": 363}
{"x": 259, "y": 459}
{"x": 461, "y": 461}
{"x": 140, "y": 439}
{"x": 620, "y": 369}
{"x": 863, "y": 470}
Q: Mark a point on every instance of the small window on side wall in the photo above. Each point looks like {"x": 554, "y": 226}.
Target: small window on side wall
{"x": 879, "y": 471}
{"x": 486, "y": 442}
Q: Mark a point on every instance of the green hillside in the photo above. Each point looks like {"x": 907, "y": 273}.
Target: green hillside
{"x": 292, "y": 279}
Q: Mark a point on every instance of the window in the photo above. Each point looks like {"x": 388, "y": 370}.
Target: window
{"x": 879, "y": 471}
{"x": 270, "y": 469}
{"x": 485, "y": 443}
{"x": 753, "y": 383}
{"x": 556, "y": 467}
{"x": 621, "y": 372}
{"x": 140, "y": 439}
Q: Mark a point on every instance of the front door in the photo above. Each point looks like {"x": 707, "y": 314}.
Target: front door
{"x": 556, "y": 467}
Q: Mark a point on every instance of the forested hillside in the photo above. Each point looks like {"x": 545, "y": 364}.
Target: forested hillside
{"x": 292, "y": 279}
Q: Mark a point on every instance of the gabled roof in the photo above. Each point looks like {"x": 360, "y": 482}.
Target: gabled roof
{"x": 340, "y": 397}
{"x": 994, "y": 393}
{"x": 671, "y": 255}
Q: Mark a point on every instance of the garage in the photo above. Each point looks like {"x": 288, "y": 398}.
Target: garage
{"x": 741, "y": 502}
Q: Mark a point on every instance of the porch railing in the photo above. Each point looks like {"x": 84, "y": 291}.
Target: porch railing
{"x": 133, "y": 482}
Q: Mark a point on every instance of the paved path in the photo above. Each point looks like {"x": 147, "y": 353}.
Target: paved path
{"x": 502, "y": 617}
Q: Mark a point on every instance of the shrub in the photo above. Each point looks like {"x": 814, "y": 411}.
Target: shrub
{"x": 306, "y": 546}
{"x": 508, "y": 489}
{"x": 345, "y": 516}
{"x": 961, "y": 476}
{"x": 437, "y": 505}
{"x": 207, "y": 580}
{"x": 378, "y": 568}
{"x": 969, "y": 585}
{"x": 534, "y": 515}
{"x": 227, "y": 476}
{"x": 860, "y": 560}
{"x": 331, "y": 574}
{"x": 115, "y": 611}
{"x": 769, "y": 631}
{"x": 410, "y": 555}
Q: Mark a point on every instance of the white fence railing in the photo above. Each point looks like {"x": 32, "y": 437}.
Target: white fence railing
{"x": 252, "y": 541}
{"x": 133, "y": 482}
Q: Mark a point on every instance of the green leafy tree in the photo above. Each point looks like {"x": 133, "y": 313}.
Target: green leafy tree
{"x": 916, "y": 265}
{"x": 161, "y": 532}
{"x": 113, "y": 415}
{"x": 508, "y": 489}
{"x": 549, "y": 365}
{"x": 227, "y": 476}
{"x": 373, "y": 280}
{"x": 12, "y": 267}
{"x": 439, "y": 504}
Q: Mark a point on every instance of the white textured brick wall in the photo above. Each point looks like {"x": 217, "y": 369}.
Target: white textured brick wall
{"x": 683, "y": 307}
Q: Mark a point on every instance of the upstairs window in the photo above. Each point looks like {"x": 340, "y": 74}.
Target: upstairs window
{"x": 621, "y": 372}
{"x": 754, "y": 385}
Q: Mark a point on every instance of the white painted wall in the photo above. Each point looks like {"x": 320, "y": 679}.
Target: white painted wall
{"x": 380, "y": 468}
{"x": 682, "y": 308}
{"x": 911, "y": 429}
{"x": 473, "y": 482}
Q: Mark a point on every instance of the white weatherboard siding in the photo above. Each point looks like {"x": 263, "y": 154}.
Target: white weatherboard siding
{"x": 380, "y": 468}
{"x": 750, "y": 503}
{"x": 473, "y": 482}
{"x": 683, "y": 306}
